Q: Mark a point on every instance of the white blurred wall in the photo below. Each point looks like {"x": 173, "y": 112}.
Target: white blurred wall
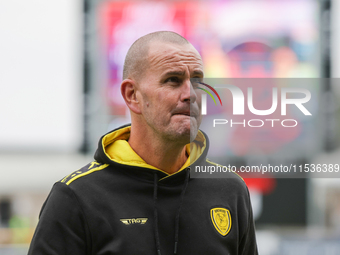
{"x": 40, "y": 75}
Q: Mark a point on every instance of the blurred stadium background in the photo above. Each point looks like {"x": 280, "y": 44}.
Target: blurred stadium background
{"x": 61, "y": 66}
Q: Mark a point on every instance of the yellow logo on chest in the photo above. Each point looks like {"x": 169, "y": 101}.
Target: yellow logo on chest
{"x": 134, "y": 221}
{"x": 221, "y": 219}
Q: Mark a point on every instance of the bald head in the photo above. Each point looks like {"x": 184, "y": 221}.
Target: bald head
{"x": 136, "y": 59}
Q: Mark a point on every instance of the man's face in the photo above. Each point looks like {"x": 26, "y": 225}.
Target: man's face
{"x": 170, "y": 102}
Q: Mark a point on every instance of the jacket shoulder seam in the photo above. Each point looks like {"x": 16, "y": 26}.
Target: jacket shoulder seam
{"x": 86, "y": 170}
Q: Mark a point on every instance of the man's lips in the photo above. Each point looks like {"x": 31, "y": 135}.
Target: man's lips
{"x": 187, "y": 113}
{"x": 182, "y": 113}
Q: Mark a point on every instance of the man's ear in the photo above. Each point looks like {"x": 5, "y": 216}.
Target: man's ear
{"x": 128, "y": 89}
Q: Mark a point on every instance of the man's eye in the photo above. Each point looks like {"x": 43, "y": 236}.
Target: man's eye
{"x": 173, "y": 80}
{"x": 195, "y": 82}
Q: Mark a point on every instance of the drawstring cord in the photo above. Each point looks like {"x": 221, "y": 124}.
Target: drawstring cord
{"x": 155, "y": 212}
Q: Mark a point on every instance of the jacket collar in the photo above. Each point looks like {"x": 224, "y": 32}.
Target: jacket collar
{"x": 114, "y": 149}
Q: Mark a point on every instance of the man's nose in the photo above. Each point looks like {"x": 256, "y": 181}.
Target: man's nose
{"x": 188, "y": 92}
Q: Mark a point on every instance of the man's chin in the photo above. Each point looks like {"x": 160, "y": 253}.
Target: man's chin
{"x": 182, "y": 135}
{"x": 186, "y": 131}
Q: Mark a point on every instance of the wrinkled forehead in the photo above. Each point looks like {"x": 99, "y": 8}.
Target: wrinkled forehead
{"x": 162, "y": 54}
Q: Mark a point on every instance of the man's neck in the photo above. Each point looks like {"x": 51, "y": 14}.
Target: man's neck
{"x": 165, "y": 155}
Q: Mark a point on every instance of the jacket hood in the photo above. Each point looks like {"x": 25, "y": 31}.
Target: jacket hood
{"x": 113, "y": 148}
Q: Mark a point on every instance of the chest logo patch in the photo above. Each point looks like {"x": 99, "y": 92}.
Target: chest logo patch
{"x": 134, "y": 221}
{"x": 221, "y": 220}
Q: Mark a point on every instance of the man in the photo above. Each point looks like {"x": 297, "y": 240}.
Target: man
{"x": 138, "y": 197}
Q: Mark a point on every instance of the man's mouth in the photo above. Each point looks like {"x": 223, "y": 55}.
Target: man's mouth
{"x": 191, "y": 112}
{"x": 183, "y": 113}
{"x": 186, "y": 113}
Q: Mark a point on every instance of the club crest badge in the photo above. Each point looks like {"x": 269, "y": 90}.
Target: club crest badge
{"x": 221, "y": 220}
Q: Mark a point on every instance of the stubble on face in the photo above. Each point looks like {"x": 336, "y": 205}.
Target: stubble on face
{"x": 170, "y": 103}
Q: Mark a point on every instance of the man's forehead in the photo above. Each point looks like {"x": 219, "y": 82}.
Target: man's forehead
{"x": 162, "y": 52}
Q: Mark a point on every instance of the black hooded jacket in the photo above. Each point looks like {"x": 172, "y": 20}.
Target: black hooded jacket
{"x": 118, "y": 204}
